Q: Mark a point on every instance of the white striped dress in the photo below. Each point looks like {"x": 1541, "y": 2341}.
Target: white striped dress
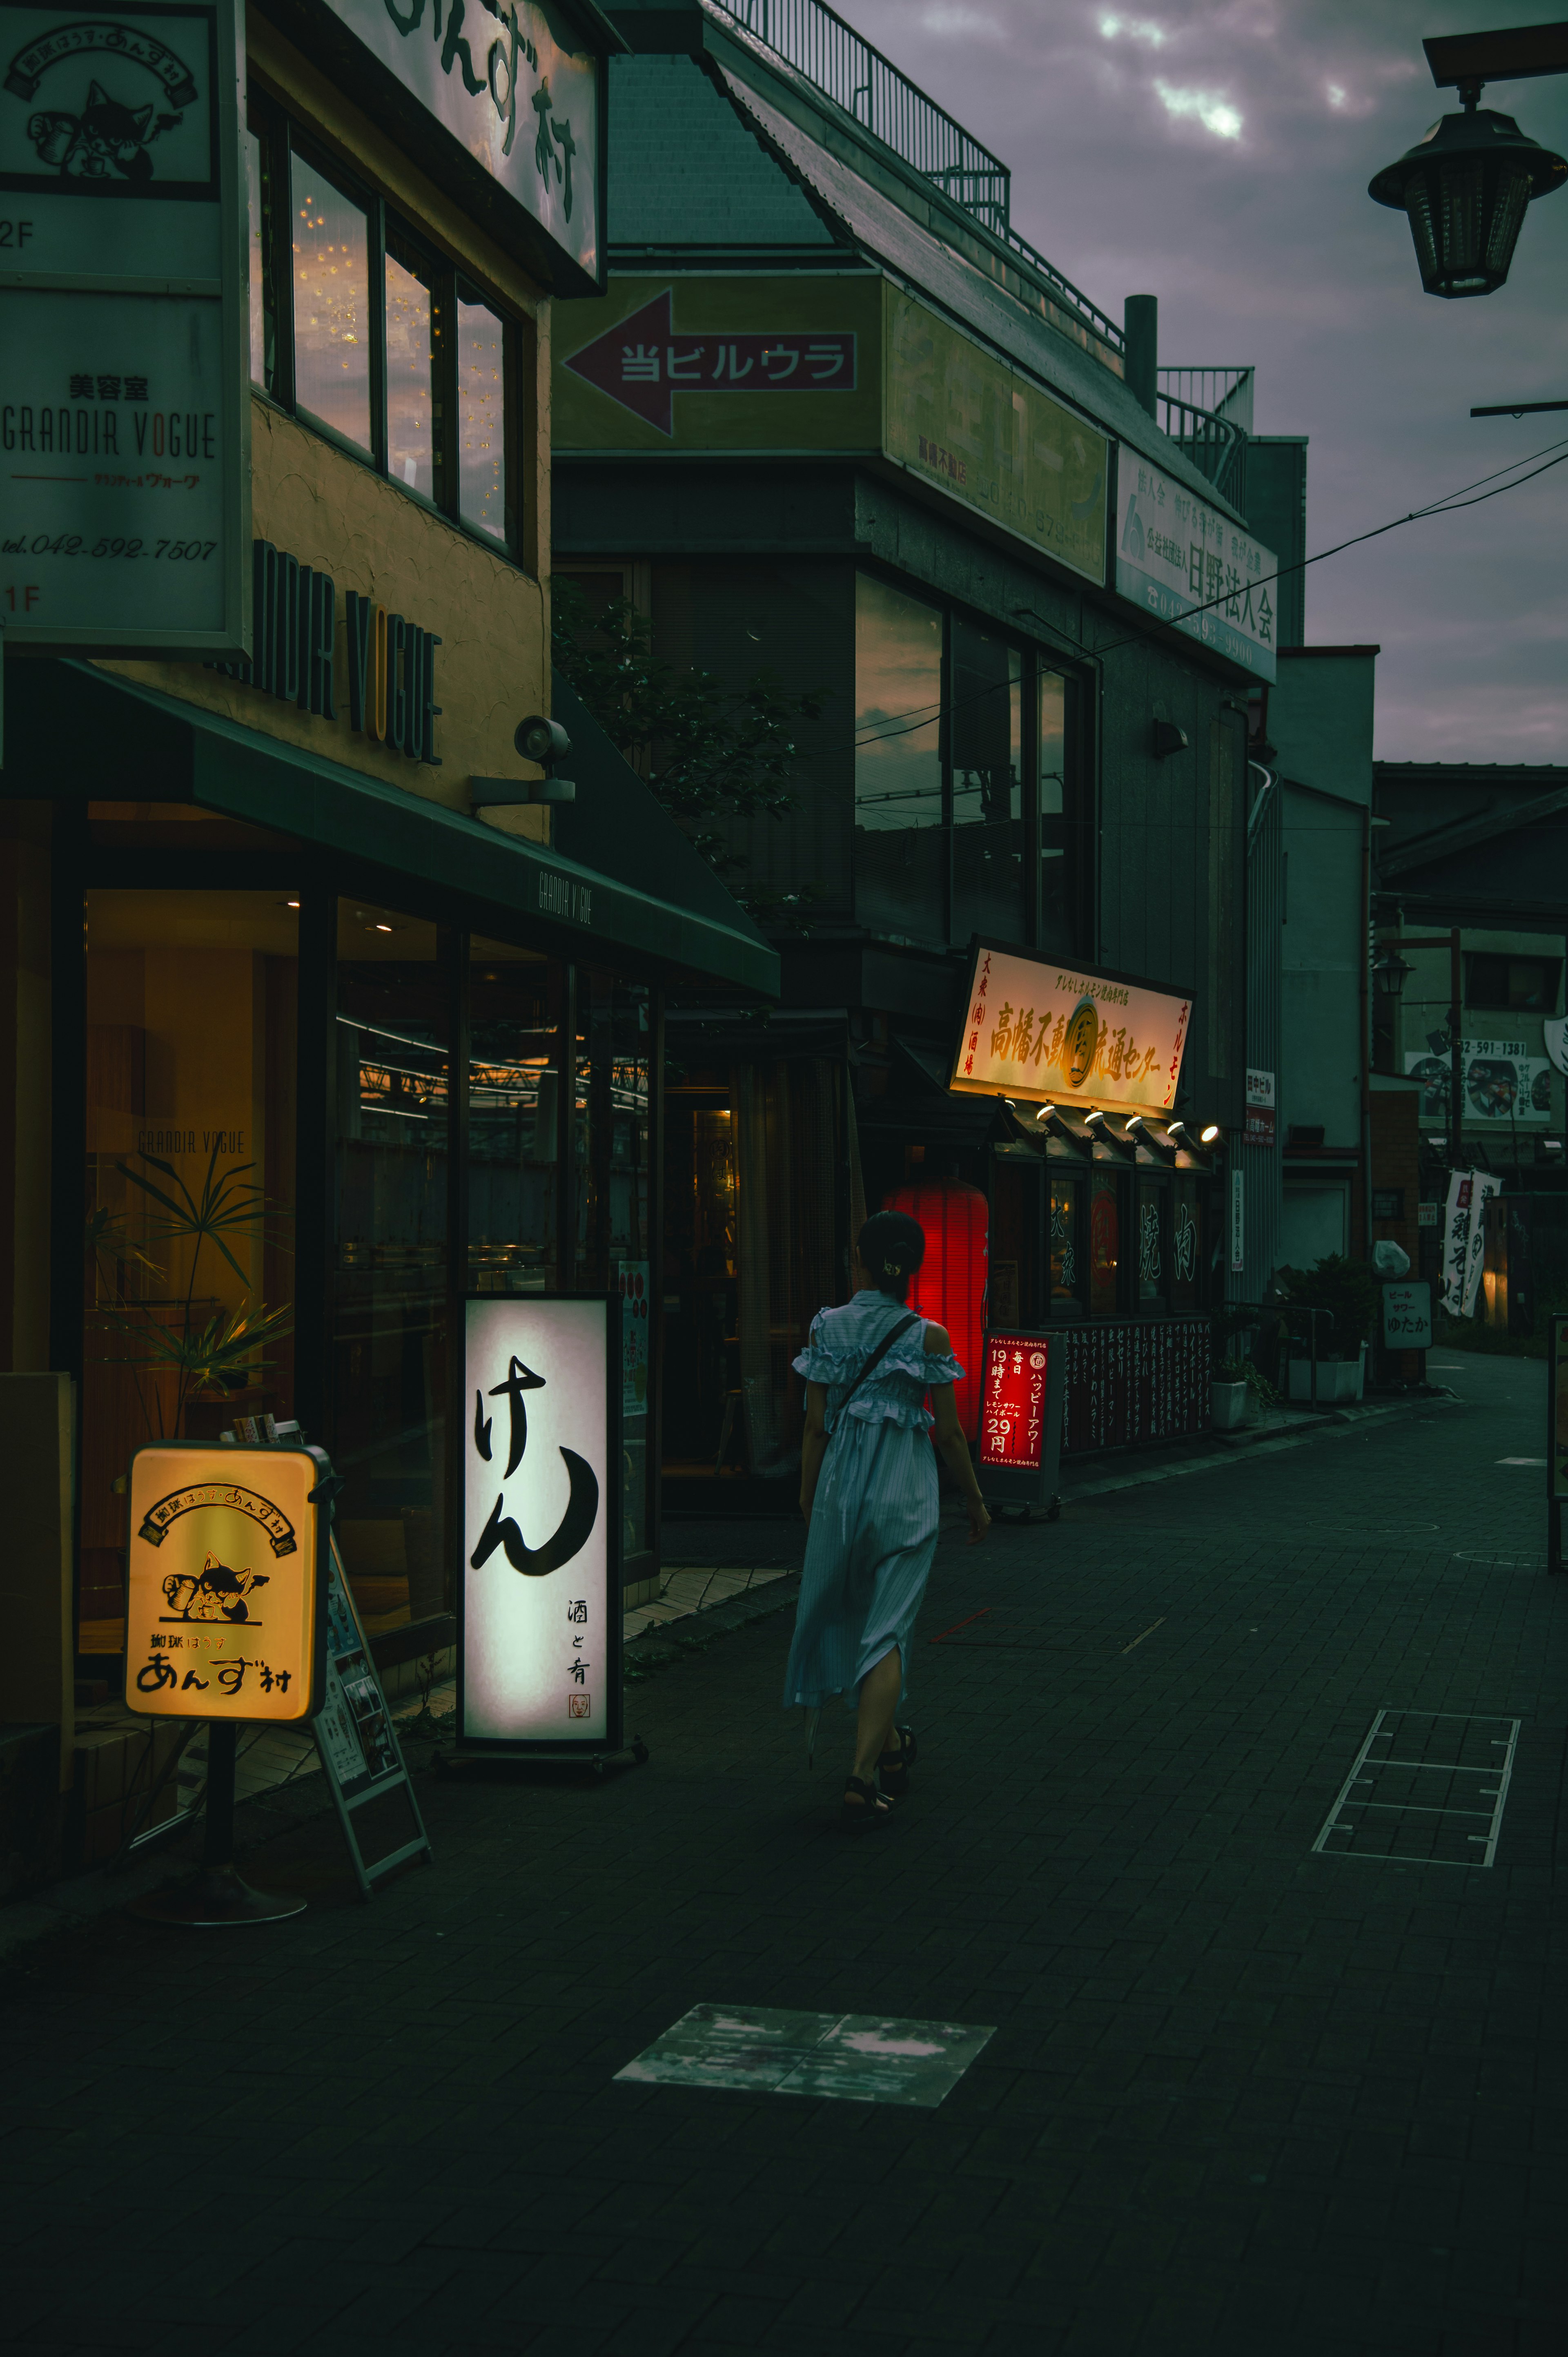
{"x": 874, "y": 1519}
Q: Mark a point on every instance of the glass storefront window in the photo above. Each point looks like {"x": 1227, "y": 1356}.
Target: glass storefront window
{"x": 331, "y": 304}
{"x": 388, "y": 1331}
{"x": 191, "y": 1085}
{"x": 514, "y": 1148}
{"x": 1185, "y": 1243}
{"x": 481, "y": 417}
{"x": 411, "y": 331}
{"x": 1058, "y": 880}
{"x": 1066, "y": 1278}
{"x": 900, "y": 850}
{"x": 1151, "y": 1239}
{"x": 1104, "y": 1248}
{"x": 986, "y": 755}
{"x": 614, "y": 1246}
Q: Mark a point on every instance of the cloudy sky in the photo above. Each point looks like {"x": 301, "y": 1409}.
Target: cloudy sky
{"x": 1216, "y": 153}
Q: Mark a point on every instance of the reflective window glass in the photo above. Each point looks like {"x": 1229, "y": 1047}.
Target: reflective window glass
{"x": 1104, "y": 1248}
{"x": 514, "y": 1148}
{"x": 260, "y": 342}
{"x": 900, "y": 851}
{"x": 1151, "y": 1239}
{"x": 1186, "y": 1239}
{"x": 985, "y": 740}
{"x": 331, "y": 304}
{"x": 190, "y": 1087}
{"x": 1065, "y": 1278}
{"x": 411, "y": 328}
{"x": 389, "y": 1338}
{"x": 481, "y": 418}
{"x": 1059, "y": 883}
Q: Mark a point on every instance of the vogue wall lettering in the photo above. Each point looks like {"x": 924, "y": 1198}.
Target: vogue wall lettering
{"x": 387, "y": 669}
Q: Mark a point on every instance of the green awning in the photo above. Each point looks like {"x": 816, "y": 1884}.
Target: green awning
{"x": 74, "y": 731}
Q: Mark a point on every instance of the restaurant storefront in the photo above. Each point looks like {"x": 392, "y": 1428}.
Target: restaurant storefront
{"x": 313, "y": 1033}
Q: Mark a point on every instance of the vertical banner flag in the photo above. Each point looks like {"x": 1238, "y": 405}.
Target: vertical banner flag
{"x": 1464, "y": 1239}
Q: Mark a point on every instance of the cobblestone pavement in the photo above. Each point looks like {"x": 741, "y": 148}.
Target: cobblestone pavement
{"x": 1241, "y": 2099}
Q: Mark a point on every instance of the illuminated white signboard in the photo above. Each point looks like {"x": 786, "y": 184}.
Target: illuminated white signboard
{"x": 1181, "y": 559}
{"x": 226, "y": 1588}
{"x": 125, "y": 411}
{"x": 1059, "y": 1035}
{"x": 539, "y": 1625}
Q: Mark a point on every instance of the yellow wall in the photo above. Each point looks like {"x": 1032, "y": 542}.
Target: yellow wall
{"x": 336, "y": 514}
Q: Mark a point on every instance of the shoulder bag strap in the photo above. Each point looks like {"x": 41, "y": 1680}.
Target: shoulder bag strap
{"x": 881, "y": 1348}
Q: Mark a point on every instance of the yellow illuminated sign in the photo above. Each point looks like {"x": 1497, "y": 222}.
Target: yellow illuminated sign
{"x": 224, "y": 1599}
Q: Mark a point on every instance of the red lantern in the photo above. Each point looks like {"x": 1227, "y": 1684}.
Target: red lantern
{"x": 950, "y": 1283}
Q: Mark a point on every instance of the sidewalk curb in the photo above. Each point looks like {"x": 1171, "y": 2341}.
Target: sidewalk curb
{"x": 1334, "y": 1425}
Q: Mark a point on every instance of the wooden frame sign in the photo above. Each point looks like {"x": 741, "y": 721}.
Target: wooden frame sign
{"x": 226, "y": 1591}
{"x": 540, "y": 1609}
{"x": 1023, "y": 1393}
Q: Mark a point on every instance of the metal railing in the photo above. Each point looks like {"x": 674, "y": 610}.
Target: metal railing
{"x": 1216, "y": 445}
{"x": 843, "y": 65}
{"x": 1223, "y": 392}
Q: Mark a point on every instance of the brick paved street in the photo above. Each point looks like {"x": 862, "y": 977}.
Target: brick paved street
{"x": 1241, "y": 2099}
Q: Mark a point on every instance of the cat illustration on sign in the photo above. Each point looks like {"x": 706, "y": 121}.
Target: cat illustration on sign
{"x": 105, "y": 140}
{"x": 218, "y": 1593}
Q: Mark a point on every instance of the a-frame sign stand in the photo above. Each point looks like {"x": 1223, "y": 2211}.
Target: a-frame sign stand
{"x": 361, "y": 1755}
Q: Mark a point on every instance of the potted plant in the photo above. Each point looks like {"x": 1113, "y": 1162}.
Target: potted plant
{"x": 1335, "y": 1299}
{"x": 181, "y": 1346}
{"x": 1227, "y": 1395}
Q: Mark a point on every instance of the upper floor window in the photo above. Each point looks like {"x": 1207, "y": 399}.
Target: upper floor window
{"x": 376, "y": 339}
{"x": 966, "y": 817}
{"x": 1512, "y": 985}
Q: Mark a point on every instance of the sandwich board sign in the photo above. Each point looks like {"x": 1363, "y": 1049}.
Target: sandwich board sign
{"x": 226, "y": 1593}
{"x": 124, "y": 397}
{"x": 1023, "y": 1394}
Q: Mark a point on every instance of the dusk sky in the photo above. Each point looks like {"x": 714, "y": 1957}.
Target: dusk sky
{"x": 1216, "y": 153}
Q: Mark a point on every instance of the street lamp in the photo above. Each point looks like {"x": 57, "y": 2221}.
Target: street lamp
{"x": 1390, "y": 973}
{"x": 1466, "y": 184}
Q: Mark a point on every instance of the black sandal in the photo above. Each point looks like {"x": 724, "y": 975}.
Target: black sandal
{"x": 894, "y": 1766}
{"x": 871, "y": 1811}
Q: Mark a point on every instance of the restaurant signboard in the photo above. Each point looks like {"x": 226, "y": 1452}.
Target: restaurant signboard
{"x": 540, "y": 1590}
{"x": 513, "y": 90}
{"x": 125, "y": 411}
{"x": 226, "y": 1582}
{"x": 1021, "y": 1403}
{"x": 1057, "y": 1035}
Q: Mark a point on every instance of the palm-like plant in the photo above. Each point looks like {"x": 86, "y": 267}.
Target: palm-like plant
{"x": 219, "y": 1354}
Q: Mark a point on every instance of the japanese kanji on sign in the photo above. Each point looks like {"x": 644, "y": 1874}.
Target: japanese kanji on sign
{"x": 1060, "y": 1035}
{"x": 225, "y": 1598}
{"x": 1022, "y": 1399}
{"x": 540, "y": 1590}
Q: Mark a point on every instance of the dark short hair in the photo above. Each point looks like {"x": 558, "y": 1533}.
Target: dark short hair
{"x": 891, "y": 1247}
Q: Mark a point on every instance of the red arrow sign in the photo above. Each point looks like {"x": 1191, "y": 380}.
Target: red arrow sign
{"x": 643, "y": 363}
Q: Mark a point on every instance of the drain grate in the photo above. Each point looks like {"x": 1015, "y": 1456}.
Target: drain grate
{"x": 1427, "y": 1786}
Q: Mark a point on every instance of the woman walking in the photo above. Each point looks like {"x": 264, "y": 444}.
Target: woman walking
{"x": 868, "y": 1490}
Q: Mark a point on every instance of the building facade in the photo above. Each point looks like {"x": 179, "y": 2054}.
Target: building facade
{"x": 834, "y": 419}
{"x": 309, "y": 1035}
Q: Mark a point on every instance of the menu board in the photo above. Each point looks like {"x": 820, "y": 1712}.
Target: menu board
{"x": 1013, "y": 1403}
{"x": 1131, "y": 1381}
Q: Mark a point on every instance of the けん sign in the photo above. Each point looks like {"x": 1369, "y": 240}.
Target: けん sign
{"x": 540, "y": 1601}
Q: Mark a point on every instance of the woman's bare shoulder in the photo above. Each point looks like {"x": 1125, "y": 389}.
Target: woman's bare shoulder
{"x": 938, "y": 1341}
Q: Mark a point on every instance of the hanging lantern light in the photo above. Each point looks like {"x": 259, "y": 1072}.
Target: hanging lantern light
{"x": 1463, "y": 187}
{"x": 950, "y": 1283}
